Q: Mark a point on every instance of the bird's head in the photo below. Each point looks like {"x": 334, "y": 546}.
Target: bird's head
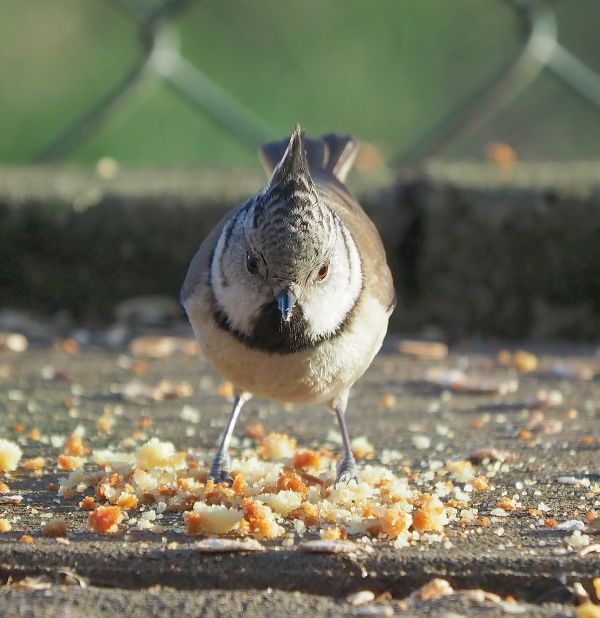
{"x": 286, "y": 272}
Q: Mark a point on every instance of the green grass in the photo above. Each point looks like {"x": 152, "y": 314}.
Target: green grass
{"x": 387, "y": 71}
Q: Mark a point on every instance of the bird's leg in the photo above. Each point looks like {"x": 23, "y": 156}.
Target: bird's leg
{"x": 347, "y": 469}
{"x": 219, "y": 469}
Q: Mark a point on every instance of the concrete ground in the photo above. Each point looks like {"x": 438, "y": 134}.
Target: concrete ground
{"x": 548, "y": 424}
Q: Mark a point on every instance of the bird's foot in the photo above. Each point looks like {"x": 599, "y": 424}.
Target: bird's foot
{"x": 219, "y": 471}
{"x": 347, "y": 471}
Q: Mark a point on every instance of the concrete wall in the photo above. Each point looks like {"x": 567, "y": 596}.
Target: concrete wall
{"x": 474, "y": 249}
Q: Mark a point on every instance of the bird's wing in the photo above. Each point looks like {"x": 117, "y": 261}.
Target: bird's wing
{"x": 197, "y": 277}
{"x": 377, "y": 277}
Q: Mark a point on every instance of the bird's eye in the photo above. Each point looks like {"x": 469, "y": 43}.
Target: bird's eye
{"x": 251, "y": 263}
{"x": 323, "y": 271}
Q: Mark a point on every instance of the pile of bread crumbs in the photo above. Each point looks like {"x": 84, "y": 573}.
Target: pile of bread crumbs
{"x": 278, "y": 490}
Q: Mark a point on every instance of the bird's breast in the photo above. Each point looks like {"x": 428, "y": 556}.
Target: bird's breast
{"x": 315, "y": 374}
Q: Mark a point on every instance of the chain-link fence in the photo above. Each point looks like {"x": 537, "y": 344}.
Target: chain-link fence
{"x": 539, "y": 51}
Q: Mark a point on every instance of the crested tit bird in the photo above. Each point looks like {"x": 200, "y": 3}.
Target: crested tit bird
{"x": 290, "y": 294}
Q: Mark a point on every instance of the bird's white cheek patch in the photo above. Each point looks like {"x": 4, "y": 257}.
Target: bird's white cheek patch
{"x": 238, "y": 303}
{"x": 328, "y": 307}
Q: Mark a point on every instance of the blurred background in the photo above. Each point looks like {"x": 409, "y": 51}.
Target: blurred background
{"x": 128, "y": 128}
{"x": 204, "y": 82}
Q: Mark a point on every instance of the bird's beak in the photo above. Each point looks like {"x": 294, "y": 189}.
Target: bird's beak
{"x": 286, "y": 301}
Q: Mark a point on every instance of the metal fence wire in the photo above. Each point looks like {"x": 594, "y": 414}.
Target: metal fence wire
{"x": 161, "y": 56}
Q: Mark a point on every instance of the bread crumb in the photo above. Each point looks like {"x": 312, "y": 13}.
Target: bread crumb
{"x": 88, "y": 503}
{"x": 75, "y": 446}
{"x": 255, "y": 431}
{"x": 27, "y": 539}
{"x": 524, "y": 362}
{"x": 105, "y": 519}
{"x": 5, "y": 525}
{"x": 278, "y": 446}
{"x": 308, "y": 459}
{"x": 69, "y": 462}
{"x": 10, "y": 456}
{"x": 387, "y": 401}
{"x": 282, "y": 502}
{"x": 333, "y": 534}
{"x": 226, "y": 390}
{"x": 55, "y": 528}
{"x": 362, "y": 448}
{"x": 429, "y": 514}
{"x": 157, "y": 454}
{"x": 207, "y": 519}
{"x": 395, "y": 521}
{"x": 37, "y": 463}
{"x": 260, "y": 520}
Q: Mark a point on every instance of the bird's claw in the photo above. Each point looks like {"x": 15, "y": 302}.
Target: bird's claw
{"x": 347, "y": 472}
{"x": 219, "y": 472}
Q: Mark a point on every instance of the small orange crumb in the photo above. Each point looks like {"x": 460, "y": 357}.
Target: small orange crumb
{"x": 587, "y": 441}
{"x": 88, "y": 503}
{"x": 168, "y": 492}
{"x": 4, "y": 488}
{"x": 480, "y": 483}
{"x": 127, "y": 501}
{"x": 506, "y": 504}
{"x": 5, "y": 525}
{"x": 148, "y": 498}
{"x": 259, "y": 519}
{"x": 75, "y": 446}
{"x": 395, "y": 522}
{"x": 69, "y": 494}
{"x": 534, "y": 512}
{"x": 482, "y": 521}
{"x": 429, "y": 516}
{"x": 194, "y": 523}
{"x": 27, "y": 539}
{"x": 333, "y": 534}
{"x": 69, "y": 463}
{"x": 591, "y": 515}
{"x": 387, "y": 401}
{"x": 55, "y": 528}
{"x": 35, "y": 434}
{"x": 144, "y": 423}
{"x": 504, "y": 358}
{"x": 525, "y": 435}
{"x": 307, "y": 512}
{"x": 105, "y": 423}
{"x": 255, "y": 431}
{"x": 226, "y": 390}
{"x": 308, "y": 459}
{"x": 478, "y": 423}
{"x": 19, "y": 428}
{"x": 289, "y": 480}
{"x": 524, "y": 362}
{"x": 34, "y": 464}
{"x": 550, "y": 522}
{"x": 456, "y": 504}
{"x": 277, "y": 446}
{"x": 70, "y": 346}
{"x": 510, "y": 599}
{"x": 239, "y": 485}
{"x": 105, "y": 519}
{"x": 138, "y": 368}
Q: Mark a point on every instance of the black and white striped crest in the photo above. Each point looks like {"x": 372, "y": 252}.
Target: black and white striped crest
{"x": 293, "y": 169}
{"x": 289, "y": 212}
